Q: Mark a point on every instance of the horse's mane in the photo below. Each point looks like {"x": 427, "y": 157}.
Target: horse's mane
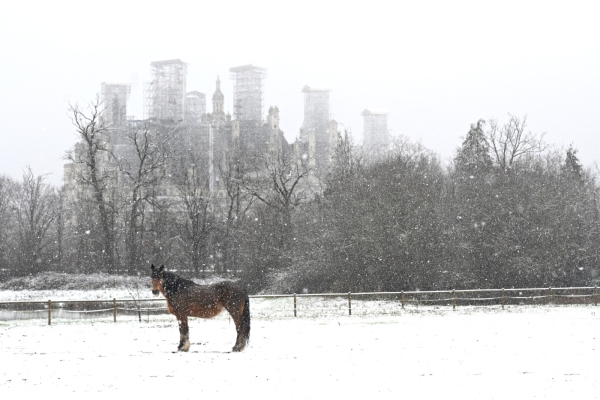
{"x": 175, "y": 283}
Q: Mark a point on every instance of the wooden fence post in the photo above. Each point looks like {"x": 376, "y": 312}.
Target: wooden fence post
{"x": 49, "y": 312}
{"x": 549, "y": 295}
{"x": 503, "y": 298}
{"x": 595, "y": 296}
{"x": 453, "y": 299}
{"x": 402, "y": 299}
{"x": 349, "y": 304}
{"x": 294, "y": 304}
{"x": 114, "y": 310}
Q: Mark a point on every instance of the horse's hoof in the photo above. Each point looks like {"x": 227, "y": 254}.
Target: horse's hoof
{"x": 184, "y": 347}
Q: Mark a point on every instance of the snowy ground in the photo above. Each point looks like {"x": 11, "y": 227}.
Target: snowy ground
{"x": 540, "y": 352}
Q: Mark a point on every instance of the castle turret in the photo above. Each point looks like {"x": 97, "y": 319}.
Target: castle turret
{"x": 235, "y": 130}
{"x": 333, "y": 138}
{"x": 312, "y": 148}
{"x": 218, "y": 100}
{"x": 274, "y": 132}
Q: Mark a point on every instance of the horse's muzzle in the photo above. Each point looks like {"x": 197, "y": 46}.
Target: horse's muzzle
{"x": 155, "y": 292}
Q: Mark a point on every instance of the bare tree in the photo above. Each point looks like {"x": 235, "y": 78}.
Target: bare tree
{"x": 510, "y": 142}
{"x": 60, "y": 225}
{"x": 144, "y": 168}
{"x": 82, "y": 248}
{"x": 233, "y": 173}
{"x": 346, "y": 161}
{"x": 277, "y": 181}
{"x": 90, "y": 152}
{"x": 135, "y": 288}
{"x": 7, "y": 195}
{"x": 35, "y": 211}
{"x": 193, "y": 193}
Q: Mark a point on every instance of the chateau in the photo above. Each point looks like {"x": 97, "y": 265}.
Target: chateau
{"x": 204, "y": 139}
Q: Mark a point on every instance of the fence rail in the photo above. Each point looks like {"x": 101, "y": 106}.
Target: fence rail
{"x": 362, "y": 303}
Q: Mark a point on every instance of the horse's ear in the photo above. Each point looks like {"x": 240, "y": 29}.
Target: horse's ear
{"x": 162, "y": 267}
{"x": 152, "y": 266}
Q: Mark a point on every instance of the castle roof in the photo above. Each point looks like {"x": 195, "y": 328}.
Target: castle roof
{"x": 195, "y": 93}
{"x": 374, "y": 111}
{"x": 247, "y": 67}
{"x": 166, "y": 62}
{"x": 309, "y": 88}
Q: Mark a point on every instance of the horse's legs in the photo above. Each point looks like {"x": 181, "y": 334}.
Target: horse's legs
{"x": 184, "y": 334}
{"x": 236, "y": 314}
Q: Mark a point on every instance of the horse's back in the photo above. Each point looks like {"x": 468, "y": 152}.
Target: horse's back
{"x": 230, "y": 292}
{"x": 207, "y": 301}
{"x": 228, "y": 288}
{"x": 196, "y": 301}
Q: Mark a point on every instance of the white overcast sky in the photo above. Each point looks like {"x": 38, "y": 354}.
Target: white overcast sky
{"x": 437, "y": 66}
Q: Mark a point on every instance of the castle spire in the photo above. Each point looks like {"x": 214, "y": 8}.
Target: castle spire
{"x": 218, "y": 99}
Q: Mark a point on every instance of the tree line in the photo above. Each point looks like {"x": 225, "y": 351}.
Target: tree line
{"x": 507, "y": 211}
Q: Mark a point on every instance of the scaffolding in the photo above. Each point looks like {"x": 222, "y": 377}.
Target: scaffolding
{"x": 315, "y": 134}
{"x": 195, "y": 106}
{"x": 164, "y": 97}
{"x": 316, "y": 113}
{"x": 114, "y": 101}
{"x": 248, "y": 92}
{"x": 376, "y": 133}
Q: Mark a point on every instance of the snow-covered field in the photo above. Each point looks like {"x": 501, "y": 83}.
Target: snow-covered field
{"x": 540, "y": 352}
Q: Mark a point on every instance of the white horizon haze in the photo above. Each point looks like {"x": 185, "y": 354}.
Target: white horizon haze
{"x": 436, "y": 66}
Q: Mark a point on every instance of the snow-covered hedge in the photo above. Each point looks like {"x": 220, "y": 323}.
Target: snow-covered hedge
{"x": 63, "y": 281}
{"x": 95, "y": 281}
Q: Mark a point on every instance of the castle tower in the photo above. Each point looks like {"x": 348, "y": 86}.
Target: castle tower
{"x": 316, "y": 111}
{"x": 316, "y": 123}
{"x": 195, "y": 106}
{"x": 165, "y": 94}
{"x": 375, "y": 133}
{"x": 248, "y": 91}
{"x": 114, "y": 101}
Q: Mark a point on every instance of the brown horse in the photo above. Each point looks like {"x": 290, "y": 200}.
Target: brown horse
{"x": 188, "y": 299}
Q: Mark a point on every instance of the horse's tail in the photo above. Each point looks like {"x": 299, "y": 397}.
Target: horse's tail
{"x": 245, "y": 327}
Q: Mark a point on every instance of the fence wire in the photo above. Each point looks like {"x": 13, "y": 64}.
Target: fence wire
{"x": 272, "y": 307}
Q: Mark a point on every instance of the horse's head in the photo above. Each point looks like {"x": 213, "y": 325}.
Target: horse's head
{"x": 157, "y": 279}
